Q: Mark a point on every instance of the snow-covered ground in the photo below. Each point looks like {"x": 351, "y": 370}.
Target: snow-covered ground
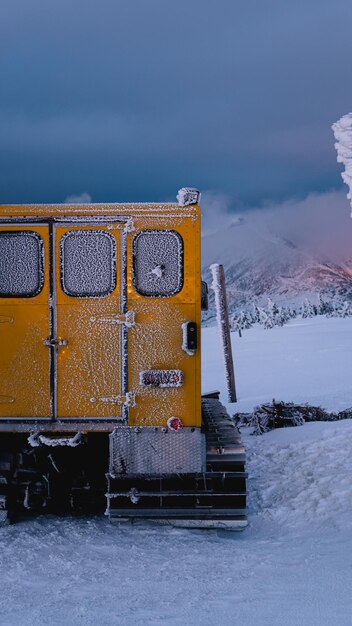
{"x": 292, "y": 566}
{"x": 309, "y": 360}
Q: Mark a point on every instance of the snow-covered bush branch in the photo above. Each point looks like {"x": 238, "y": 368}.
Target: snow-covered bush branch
{"x": 273, "y": 415}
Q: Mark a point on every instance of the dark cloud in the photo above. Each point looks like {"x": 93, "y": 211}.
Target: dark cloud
{"x": 131, "y": 100}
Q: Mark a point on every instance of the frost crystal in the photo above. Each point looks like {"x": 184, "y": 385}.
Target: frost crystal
{"x": 21, "y": 263}
{"x": 158, "y": 271}
{"x": 188, "y": 195}
{"x": 129, "y": 226}
{"x": 158, "y": 263}
{"x": 218, "y": 286}
{"x": 343, "y": 135}
{"x": 88, "y": 263}
{"x": 161, "y": 378}
{"x": 36, "y": 439}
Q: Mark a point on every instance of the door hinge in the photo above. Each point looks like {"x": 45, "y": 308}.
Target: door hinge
{"x": 129, "y": 400}
{"x": 127, "y": 319}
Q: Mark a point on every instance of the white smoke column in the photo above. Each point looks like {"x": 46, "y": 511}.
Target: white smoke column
{"x": 343, "y": 135}
{"x": 83, "y": 198}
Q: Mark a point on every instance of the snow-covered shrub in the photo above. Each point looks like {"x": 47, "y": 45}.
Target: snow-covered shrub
{"x": 266, "y": 417}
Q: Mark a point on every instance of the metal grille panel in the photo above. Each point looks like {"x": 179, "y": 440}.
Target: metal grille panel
{"x": 156, "y": 451}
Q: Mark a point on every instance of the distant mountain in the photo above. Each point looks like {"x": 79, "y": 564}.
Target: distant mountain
{"x": 287, "y": 257}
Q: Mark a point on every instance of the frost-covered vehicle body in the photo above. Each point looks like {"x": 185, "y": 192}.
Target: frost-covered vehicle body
{"x": 100, "y": 310}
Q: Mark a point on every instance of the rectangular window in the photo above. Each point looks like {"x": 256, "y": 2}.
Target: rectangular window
{"x": 21, "y": 264}
{"x": 158, "y": 263}
{"x": 88, "y": 263}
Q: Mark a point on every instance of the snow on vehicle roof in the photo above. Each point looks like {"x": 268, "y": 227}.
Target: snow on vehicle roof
{"x": 99, "y": 209}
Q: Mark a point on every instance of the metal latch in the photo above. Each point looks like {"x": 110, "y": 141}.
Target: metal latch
{"x": 6, "y": 399}
{"x": 4, "y": 319}
{"x": 55, "y": 343}
{"x": 128, "y": 319}
{"x": 129, "y": 400}
{"x": 189, "y": 337}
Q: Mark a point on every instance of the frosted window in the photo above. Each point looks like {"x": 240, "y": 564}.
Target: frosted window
{"x": 158, "y": 263}
{"x": 21, "y": 264}
{"x": 88, "y": 263}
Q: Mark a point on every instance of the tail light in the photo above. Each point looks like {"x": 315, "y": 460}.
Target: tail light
{"x": 174, "y": 423}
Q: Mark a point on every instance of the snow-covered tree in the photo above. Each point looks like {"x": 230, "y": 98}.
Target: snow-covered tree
{"x": 241, "y": 322}
{"x": 283, "y": 316}
{"x": 346, "y": 309}
{"x": 255, "y": 314}
{"x": 264, "y": 318}
{"x": 324, "y": 307}
{"x": 307, "y": 309}
{"x": 340, "y": 309}
{"x": 275, "y": 315}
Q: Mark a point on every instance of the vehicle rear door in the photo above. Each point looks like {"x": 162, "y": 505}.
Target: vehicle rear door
{"x": 89, "y": 321}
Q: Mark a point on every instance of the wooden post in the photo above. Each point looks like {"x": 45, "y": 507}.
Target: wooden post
{"x": 222, "y": 316}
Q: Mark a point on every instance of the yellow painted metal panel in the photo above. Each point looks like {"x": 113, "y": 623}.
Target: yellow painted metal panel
{"x": 89, "y": 367}
{"x": 156, "y": 340}
{"x": 24, "y": 359}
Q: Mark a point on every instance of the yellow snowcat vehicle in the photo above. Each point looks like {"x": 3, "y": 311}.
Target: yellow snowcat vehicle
{"x": 100, "y": 369}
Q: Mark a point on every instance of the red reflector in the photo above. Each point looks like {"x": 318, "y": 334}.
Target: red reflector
{"x": 174, "y": 423}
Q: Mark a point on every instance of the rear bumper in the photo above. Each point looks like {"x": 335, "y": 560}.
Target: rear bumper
{"x": 23, "y": 425}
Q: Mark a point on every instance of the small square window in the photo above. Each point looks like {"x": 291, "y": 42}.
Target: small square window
{"x": 21, "y": 264}
{"x": 158, "y": 263}
{"x": 88, "y": 263}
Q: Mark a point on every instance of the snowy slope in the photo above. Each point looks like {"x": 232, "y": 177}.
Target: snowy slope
{"x": 291, "y": 567}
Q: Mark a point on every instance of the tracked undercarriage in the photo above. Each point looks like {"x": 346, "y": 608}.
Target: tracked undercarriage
{"x": 51, "y": 478}
{"x": 215, "y": 497}
{"x": 60, "y": 478}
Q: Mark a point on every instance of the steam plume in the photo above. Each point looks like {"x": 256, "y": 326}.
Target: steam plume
{"x": 343, "y": 135}
{"x": 83, "y": 198}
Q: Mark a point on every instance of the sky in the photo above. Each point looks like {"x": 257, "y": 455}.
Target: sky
{"x": 318, "y": 225}
{"x": 131, "y": 100}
